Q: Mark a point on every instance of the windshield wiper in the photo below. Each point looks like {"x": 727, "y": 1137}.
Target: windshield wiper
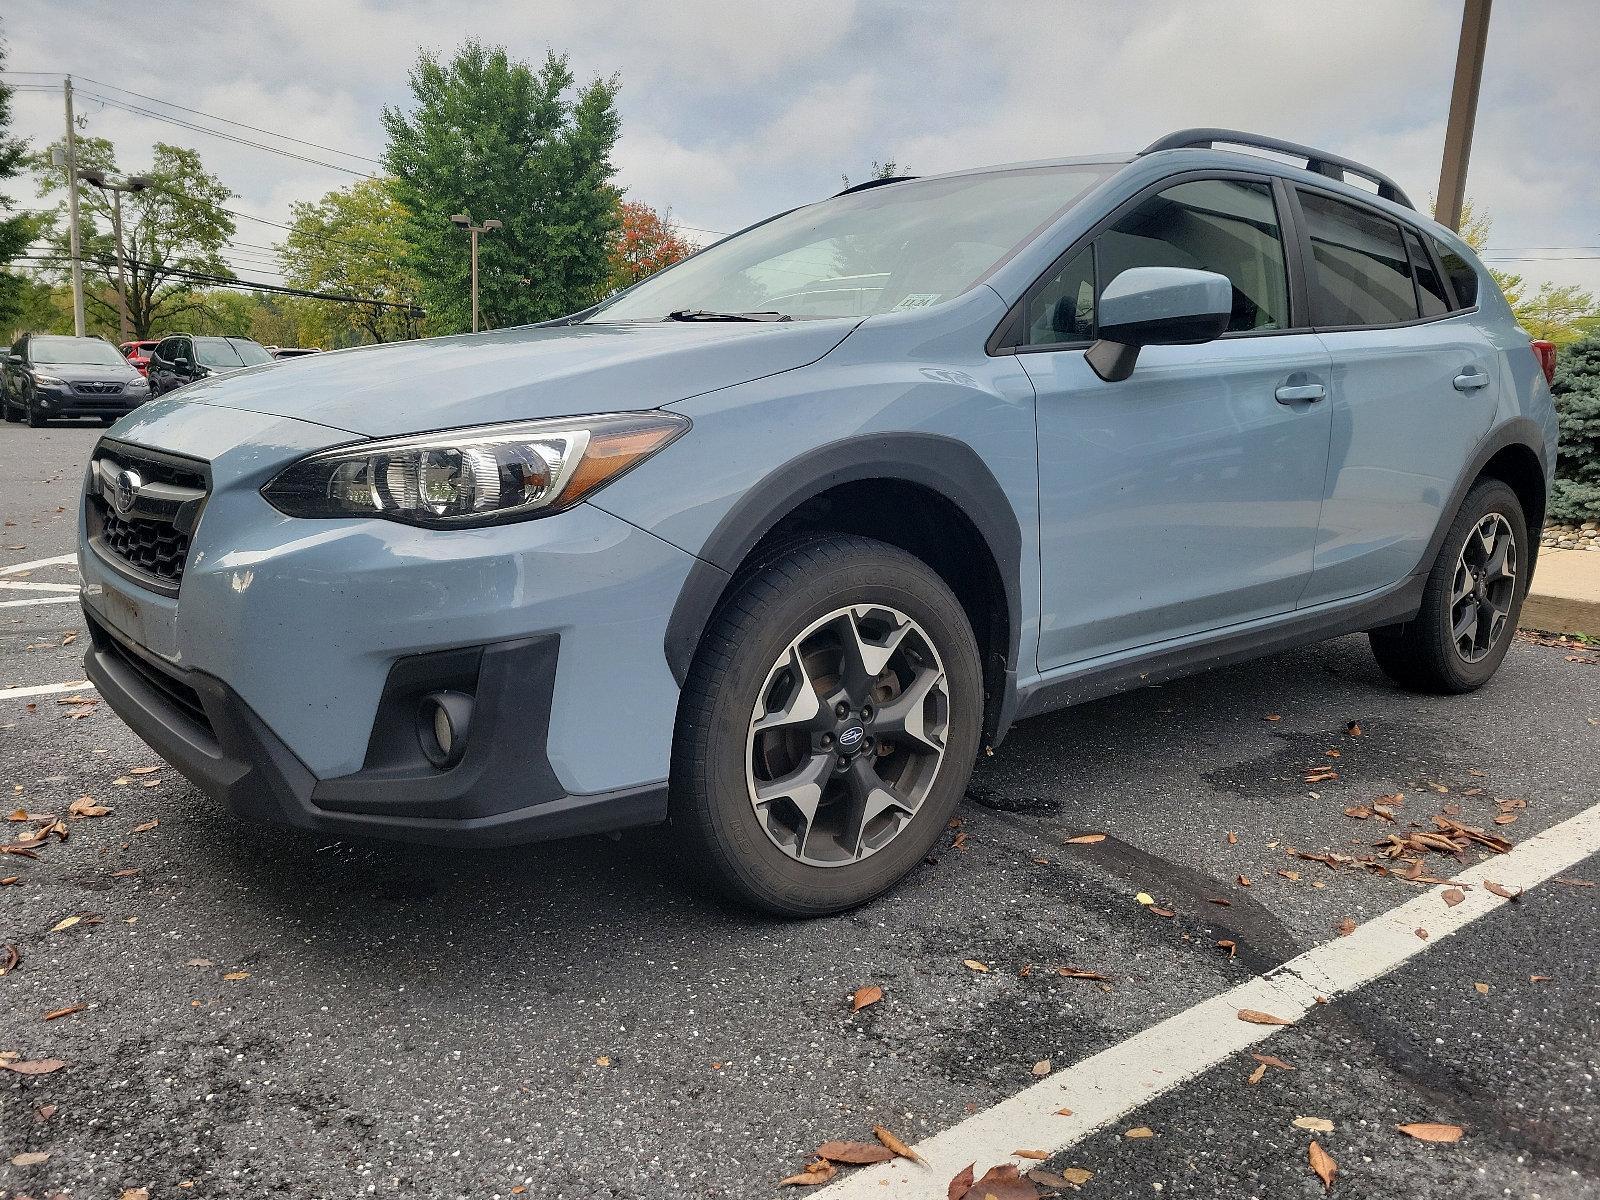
{"x": 704, "y": 314}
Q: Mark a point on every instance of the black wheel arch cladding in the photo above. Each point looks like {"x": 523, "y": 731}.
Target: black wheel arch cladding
{"x": 943, "y": 465}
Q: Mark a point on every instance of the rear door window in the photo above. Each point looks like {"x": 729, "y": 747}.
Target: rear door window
{"x": 1463, "y": 276}
{"x": 1432, "y": 300}
{"x": 1360, "y": 273}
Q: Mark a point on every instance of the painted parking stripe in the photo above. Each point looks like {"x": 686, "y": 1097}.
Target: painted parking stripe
{"x": 20, "y": 585}
{"x": 1109, "y": 1085}
{"x": 46, "y": 689}
{"x": 58, "y": 560}
{"x": 73, "y": 599}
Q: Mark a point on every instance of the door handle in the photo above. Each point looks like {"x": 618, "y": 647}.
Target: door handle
{"x": 1471, "y": 381}
{"x": 1291, "y": 393}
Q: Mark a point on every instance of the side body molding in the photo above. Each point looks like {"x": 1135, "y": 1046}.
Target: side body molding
{"x": 941, "y": 464}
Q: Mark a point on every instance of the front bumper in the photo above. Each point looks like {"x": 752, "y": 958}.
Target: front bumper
{"x": 504, "y": 790}
{"x": 66, "y": 403}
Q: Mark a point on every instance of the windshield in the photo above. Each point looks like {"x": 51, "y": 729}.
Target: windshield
{"x": 229, "y": 352}
{"x": 77, "y": 352}
{"x": 899, "y": 246}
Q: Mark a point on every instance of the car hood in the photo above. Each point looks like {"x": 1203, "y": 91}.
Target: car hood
{"x": 88, "y": 372}
{"x": 520, "y": 374}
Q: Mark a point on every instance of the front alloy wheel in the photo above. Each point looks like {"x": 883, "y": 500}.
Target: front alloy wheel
{"x": 847, "y": 735}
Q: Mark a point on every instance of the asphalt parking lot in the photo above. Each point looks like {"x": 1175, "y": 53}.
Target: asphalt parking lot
{"x": 264, "y": 1014}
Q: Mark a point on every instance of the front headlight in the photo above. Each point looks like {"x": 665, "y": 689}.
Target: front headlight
{"x": 479, "y": 476}
{"x": 49, "y": 380}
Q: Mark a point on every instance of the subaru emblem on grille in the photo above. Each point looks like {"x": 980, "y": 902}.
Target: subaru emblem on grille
{"x": 125, "y": 490}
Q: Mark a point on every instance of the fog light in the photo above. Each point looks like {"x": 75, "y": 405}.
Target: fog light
{"x": 443, "y": 720}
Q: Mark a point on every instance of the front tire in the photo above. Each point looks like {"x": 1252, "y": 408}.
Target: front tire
{"x": 1471, "y": 600}
{"x": 827, "y": 728}
{"x": 36, "y": 419}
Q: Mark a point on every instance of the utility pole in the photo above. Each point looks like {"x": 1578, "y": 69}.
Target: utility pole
{"x": 133, "y": 183}
{"x": 72, "y": 212}
{"x": 465, "y": 221}
{"x": 1463, "y": 113}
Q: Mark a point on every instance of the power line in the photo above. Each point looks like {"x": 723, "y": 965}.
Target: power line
{"x": 198, "y": 112}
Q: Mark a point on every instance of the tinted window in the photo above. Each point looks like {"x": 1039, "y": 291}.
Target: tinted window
{"x": 1061, "y": 309}
{"x": 1463, "y": 276}
{"x": 1228, "y": 226}
{"x": 1431, "y": 298}
{"x": 1360, "y": 272}
{"x": 229, "y": 352}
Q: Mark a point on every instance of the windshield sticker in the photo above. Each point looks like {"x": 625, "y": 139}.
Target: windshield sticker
{"x": 919, "y": 300}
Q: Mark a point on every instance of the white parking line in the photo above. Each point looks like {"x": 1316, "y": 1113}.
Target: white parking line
{"x": 73, "y": 599}
{"x": 1108, "y": 1085}
{"x": 45, "y": 689}
{"x": 39, "y": 562}
{"x": 21, "y": 585}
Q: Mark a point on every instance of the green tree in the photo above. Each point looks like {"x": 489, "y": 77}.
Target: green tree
{"x": 17, "y": 229}
{"x": 175, "y": 226}
{"x": 1554, "y": 312}
{"x": 1576, "y": 495}
{"x": 352, "y": 243}
{"x": 888, "y": 169}
{"x": 495, "y": 138}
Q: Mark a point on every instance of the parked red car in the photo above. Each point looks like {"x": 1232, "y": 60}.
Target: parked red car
{"x": 138, "y": 353}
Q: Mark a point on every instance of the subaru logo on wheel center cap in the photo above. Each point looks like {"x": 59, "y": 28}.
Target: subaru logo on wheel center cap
{"x": 125, "y": 490}
{"x": 850, "y": 737}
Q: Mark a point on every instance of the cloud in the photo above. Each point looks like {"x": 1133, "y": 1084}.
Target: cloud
{"x": 732, "y": 112}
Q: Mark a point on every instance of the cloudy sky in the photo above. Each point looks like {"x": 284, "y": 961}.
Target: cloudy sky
{"x": 734, "y": 110}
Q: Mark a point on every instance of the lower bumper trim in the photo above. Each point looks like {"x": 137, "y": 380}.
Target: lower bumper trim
{"x": 230, "y": 754}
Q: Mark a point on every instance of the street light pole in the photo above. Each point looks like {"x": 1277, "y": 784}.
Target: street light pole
{"x": 465, "y": 221}
{"x": 134, "y": 183}
{"x": 72, "y": 211}
{"x": 1463, "y": 113}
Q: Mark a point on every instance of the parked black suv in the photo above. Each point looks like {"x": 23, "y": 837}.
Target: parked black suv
{"x": 185, "y": 357}
{"x": 46, "y": 376}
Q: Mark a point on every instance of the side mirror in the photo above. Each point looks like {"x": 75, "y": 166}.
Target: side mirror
{"x": 13, "y": 360}
{"x": 1157, "y": 306}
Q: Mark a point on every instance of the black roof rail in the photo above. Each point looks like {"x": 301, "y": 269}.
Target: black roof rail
{"x": 872, "y": 183}
{"x": 1318, "y": 162}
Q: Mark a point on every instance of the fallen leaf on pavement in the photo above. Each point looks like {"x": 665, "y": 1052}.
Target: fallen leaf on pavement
{"x": 1481, "y": 988}
{"x": 1041, "y": 1068}
{"x": 1067, "y": 1112}
{"x": 1292, "y": 876}
{"x": 1429, "y": 1131}
{"x": 1314, "y": 1124}
{"x": 1257, "y": 1075}
{"x": 855, "y": 1153}
{"x": 864, "y": 996}
{"x": 1272, "y": 1060}
{"x": 1143, "y": 1131}
{"x": 1346, "y": 927}
{"x": 9, "y": 880}
{"x": 1230, "y": 946}
{"x": 30, "y": 1158}
{"x": 1540, "y": 978}
{"x": 235, "y": 976}
{"x": 1162, "y": 912}
{"x": 1421, "y": 933}
{"x": 1220, "y": 901}
{"x": 895, "y": 1144}
{"x": 814, "y": 1173}
{"x": 125, "y": 873}
{"x": 1452, "y": 896}
{"x": 1272, "y": 717}
{"x": 1353, "y": 728}
{"x": 1036, "y": 1155}
{"x": 1145, "y": 898}
{"x": 135, "y": 1194}
{"x": 65, "y": 923}
{"x": 1233, "y": 838}
{"x": 1080, "y": 973}
{"x": 146, "y": 827}
{"x": 961, "y": 1184}
{"x": 86, "y": 806}
{"x": 1568, "y": 881}
{"x": 1085, "y": 839}
{"x": 1324, "y": 1166}
{"x": 1256, "y": 1017}
{"x": 143, "y": 770}
{"x": 39, "y": 1066}
{"x": 1071, "y": 1176}
{"x": 1499, "y": 889}
{"x": 44, "y": 1112}
{"x": 973, "y": 964}
{"x": 57, "y": 1013}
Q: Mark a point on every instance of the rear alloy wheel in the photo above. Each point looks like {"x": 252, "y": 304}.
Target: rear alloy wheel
{"x": 1470, "y": 601}
{"x": 828, "y": 726}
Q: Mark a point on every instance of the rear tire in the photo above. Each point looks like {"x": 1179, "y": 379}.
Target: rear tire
{"x": 827, "y": 728}
{"x": 8, "y": 412}
{"x": 36, "y": 419}
{"x": 1469, "y": 605}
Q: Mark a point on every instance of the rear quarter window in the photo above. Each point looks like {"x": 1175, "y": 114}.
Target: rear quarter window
{"x": 1463, "y": 275}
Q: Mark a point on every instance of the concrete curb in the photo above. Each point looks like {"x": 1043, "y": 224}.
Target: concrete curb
{"x": 1565, "y": 597}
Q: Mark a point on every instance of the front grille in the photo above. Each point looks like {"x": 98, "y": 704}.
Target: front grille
{"x": 146, "y": 532}
{"x": 98, "y": 389}
{"x": 152, "y": 546}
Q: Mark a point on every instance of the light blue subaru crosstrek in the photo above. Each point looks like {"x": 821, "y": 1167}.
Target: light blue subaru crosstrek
{"x": 773, "y": 544}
